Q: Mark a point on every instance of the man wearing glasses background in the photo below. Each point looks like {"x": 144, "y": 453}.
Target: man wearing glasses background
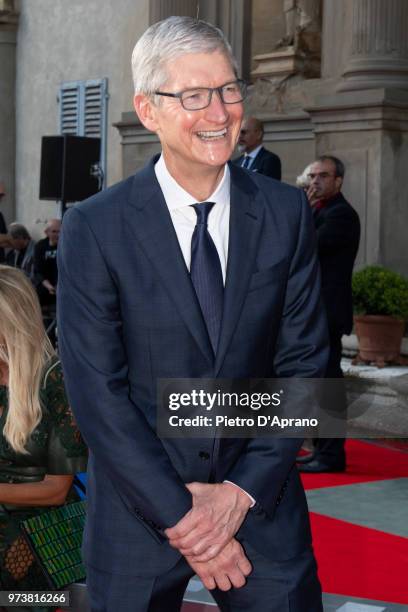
{"x": 195, "y": 269}
{"x": 338, "y": 236}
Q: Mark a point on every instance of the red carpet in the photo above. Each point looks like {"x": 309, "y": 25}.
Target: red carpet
{"x": 354, "y": 560}
{"x": 360, "y": 562}
{"x": 366, "y": 462}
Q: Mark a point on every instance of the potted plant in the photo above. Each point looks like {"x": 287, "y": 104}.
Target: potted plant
{"x": 380, "y": 301}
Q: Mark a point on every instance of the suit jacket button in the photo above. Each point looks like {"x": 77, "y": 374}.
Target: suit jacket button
{"x": 204, "y": 455}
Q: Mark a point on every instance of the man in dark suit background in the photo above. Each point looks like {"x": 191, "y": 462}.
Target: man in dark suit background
{"x": 194, "y": 269}
{"x": 338, "y": 236}
{"x": 255, "y": 157}
{"x": 22, "y": 254}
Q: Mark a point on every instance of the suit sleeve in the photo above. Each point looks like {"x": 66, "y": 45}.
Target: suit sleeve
{"x": 96, "y": 375}
{"x": 3, "y": 226}
{"x": 334, "y": 233}
{"x": 271, "y": 166}
{"x": 301, "y": 352}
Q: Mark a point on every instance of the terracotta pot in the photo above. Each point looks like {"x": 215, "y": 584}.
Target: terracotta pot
{"x": 379, "y": 338}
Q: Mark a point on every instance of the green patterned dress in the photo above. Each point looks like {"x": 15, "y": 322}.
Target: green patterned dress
{"x": 55, "y": 447}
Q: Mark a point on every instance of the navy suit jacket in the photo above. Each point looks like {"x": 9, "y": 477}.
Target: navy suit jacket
{"x": 128, "y": 315}
{"x": 265, "y": 162}
{"x": 338, "y": 237}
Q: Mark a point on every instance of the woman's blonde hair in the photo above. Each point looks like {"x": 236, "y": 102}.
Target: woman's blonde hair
{"x": 25, "y": 349}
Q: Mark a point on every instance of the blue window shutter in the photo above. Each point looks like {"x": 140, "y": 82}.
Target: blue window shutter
{"x": 69, "y": 99}
{"x": 95, "y": 96}
{"x": 83, "y": 111}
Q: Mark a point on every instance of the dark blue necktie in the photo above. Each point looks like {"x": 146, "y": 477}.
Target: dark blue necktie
{"x": 206, "y": 273}
{"x": 246, "y": 161}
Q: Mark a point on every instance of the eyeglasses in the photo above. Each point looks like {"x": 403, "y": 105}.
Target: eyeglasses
{"x": 323, "y": 175}
{"x": 200, "y": 97}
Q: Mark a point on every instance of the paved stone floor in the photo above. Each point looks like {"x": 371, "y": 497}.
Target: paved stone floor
{"x": 197, "y": 599}
{"x": 381, "y": 505}
{"x": 373, "y": 504}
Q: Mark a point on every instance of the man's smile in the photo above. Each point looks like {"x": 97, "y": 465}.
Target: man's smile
{"x": 212, "y": 134}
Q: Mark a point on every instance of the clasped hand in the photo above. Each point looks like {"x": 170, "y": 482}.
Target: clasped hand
{"x": 205, "y": 535}
{"x": 228, "y": 569}
{"x": 217, "y": 514}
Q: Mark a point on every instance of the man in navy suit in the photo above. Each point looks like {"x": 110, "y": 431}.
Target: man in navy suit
{"x": 194, "y": 269}
{"x": 255, "y": 157}
{"x": 338, "y": 236}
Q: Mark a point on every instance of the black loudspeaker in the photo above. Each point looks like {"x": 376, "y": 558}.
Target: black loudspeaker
{"x": 66, "y": 167}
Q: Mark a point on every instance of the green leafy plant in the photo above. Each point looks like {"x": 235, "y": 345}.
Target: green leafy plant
{"x": 378, "y": 291}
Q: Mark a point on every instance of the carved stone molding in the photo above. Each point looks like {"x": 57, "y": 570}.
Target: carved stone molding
{"x": 287, "y": 61}
{"x": 374, "y": 110}
{"x": 379, "y": 49}
{"x": 277, "y": 63}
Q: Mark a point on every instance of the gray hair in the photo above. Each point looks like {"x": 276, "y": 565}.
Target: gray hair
{"x": 168, "y": 39}
{"x": 17, "y": 230}
{"x": 303, "y": 180}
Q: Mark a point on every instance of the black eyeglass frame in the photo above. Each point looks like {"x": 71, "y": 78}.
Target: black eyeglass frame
{"x": 242, "y": 85}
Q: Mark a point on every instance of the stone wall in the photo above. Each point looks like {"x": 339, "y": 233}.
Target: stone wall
{"x": 356, "y": 108}
{"x": 8, "y": 29}
{"x": 63, "y": 41}
{"x": 327, "y": 76}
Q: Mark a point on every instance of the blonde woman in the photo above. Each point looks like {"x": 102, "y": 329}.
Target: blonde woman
{"x": 40, "y": 446}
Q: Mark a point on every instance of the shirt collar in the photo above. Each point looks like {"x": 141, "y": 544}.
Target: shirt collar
{"x": 255, "y": 152}
{"x": 176, "y": 197}
{"x": 320, "y": 204}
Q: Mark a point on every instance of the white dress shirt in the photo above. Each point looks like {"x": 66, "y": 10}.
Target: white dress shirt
{"x": 252, "y": 156}
{"x": 184, "y": 218}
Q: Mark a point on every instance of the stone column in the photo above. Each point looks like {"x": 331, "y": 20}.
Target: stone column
{"x": 234, "y": 19}
{"x": 8, "y": 30}
{"x": 379, "y": 46}
{"x": 160, "y": 9}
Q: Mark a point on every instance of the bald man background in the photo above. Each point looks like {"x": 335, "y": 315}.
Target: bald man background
{"x": 255, "y": 157}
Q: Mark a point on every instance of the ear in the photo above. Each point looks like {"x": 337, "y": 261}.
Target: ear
{"x": 338, "y": 181}
{"x": 146, "y": 111}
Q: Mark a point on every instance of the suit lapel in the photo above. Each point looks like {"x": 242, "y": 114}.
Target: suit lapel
{"x": 245, "y": 224}
{"x": 256, "y": 164}
{"x": 151, "y": 223}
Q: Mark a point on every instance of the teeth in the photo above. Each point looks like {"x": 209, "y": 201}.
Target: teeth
{"x": 212, "y": 134}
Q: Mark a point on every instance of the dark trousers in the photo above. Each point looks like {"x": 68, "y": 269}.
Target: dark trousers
{"x": 284, "y": 586}
{"x": 331, "y": 450}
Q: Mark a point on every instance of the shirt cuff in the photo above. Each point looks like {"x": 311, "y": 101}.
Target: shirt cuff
{"x": 253, "y": 502}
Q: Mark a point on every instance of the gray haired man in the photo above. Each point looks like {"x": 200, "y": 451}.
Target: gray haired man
{"x": 156, "y": 299}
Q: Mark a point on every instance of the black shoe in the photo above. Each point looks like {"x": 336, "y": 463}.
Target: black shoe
{"x": 305, "y": 458}
{"x": 316, "y": 467}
